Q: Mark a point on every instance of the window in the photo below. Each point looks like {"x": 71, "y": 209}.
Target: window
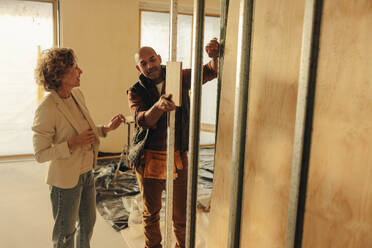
{"x": 155, "y": 33}
{"x": 25, "y": 28}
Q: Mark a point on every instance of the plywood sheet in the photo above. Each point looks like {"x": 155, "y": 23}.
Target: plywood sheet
{"x": 276, "y": 51}
{"x": 277, "y": 33}
{"x": 339, "y": 199}
{"x": 218, "y": 227}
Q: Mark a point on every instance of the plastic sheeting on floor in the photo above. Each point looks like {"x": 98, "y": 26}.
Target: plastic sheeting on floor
{"x": 109, "y": 196}
{"x": 116, "y": 201}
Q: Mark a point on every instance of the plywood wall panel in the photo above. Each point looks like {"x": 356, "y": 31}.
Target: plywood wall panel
{"x": 218, "y": 227}
{"x": 339, "y": 199}
{"x": 276, "y": 50}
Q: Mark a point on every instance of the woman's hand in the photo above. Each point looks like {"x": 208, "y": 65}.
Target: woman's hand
{"x": 114, "y": 123}
{"x": 85, "y": 138}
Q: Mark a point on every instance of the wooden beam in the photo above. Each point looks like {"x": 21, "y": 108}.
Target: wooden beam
{"x": 205, "y": 127}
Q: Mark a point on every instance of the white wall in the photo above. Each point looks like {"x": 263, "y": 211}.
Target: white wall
{"x": 104, "y": 35}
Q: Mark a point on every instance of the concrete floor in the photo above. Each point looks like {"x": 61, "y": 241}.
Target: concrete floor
{"x": 25, "y": 211}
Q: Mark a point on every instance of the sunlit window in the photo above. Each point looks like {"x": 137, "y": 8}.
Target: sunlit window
{"x": 155, "y": 33}
{"x": 24, "y": 26}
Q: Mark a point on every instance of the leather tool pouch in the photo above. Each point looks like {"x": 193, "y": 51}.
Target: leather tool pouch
{"x": 156, "y": 164}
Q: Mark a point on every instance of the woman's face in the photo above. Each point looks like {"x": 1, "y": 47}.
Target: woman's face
{"x": 72, "y": 77}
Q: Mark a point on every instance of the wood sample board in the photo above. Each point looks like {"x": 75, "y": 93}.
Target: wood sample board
{"x": 174, "y": 81}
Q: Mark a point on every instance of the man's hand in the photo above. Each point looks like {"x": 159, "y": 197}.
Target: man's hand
{"x": 212, "y": 48}
{"x": 165, "y": 103}
{"x": 85, "y": 138}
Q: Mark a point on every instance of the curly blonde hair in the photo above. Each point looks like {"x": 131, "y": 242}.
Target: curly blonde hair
{"x": 53, "y": 66}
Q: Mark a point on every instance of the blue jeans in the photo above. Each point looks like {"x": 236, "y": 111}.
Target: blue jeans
{"x": 74, "y": 206}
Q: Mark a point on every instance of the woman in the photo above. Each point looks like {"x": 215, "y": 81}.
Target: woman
{"x": 65, "y": 135}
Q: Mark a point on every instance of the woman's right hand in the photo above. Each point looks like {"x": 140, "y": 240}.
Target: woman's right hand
{"x": 85, "y": 138}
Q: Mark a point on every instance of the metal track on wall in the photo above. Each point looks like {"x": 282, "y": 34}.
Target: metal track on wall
{"x": 240, "y": 120}
{"x": 304, "y": 121}
{"x": 194, "y": 140}
{"x": 223, "y": 27}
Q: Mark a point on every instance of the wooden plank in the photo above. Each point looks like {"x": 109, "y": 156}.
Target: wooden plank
{"x": 205, "y": 127}
{"x": 339, "y": 192}
{"x": 108, "y": 157}
{"x": 273, "y": 95}
{"x": 219, "y": 215}
{"x": 129, "y": 119}
{"x": 275, "y": 63}
{"x": 174, "y": 80}
{"x": 207, "y": 146}
{"x": 19, "y": 157}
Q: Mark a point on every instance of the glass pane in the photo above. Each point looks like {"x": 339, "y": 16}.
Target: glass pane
{"x": 209, "y": 96}
{"x": 184, "y": 34}
{"x": 209, "y": 92}
{"x": 155, "y": 33}
{"x": 24, "y": 25}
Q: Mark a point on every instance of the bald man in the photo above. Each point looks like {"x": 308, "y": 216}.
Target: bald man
{"x": 149, "y": 104}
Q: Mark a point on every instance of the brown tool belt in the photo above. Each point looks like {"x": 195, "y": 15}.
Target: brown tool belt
{"x": 156, "y": 164}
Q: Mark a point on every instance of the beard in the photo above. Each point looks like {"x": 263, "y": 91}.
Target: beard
{"x": 154, "y": 73}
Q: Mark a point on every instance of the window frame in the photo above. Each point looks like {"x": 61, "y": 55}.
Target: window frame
{"x": 166, "y": 12}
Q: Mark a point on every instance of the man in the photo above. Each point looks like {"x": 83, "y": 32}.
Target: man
{"x": 149, "y": 105}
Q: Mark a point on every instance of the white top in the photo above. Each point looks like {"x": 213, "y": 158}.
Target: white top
{"x": 159, "y": 86}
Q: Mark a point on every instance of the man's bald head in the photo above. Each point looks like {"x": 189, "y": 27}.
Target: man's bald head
{"x": 148, "y": 63}
{"x": 143, "y": 51}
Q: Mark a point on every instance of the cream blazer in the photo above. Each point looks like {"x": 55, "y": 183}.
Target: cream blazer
{"x": 53, "y": 126}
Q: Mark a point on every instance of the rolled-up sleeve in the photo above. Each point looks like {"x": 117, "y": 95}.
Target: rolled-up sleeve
{"x": 43, "y": 137}
{"x": 208, "y": 75}
{"x": 137, "y": 108}
{"x": 100, "y": 131}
